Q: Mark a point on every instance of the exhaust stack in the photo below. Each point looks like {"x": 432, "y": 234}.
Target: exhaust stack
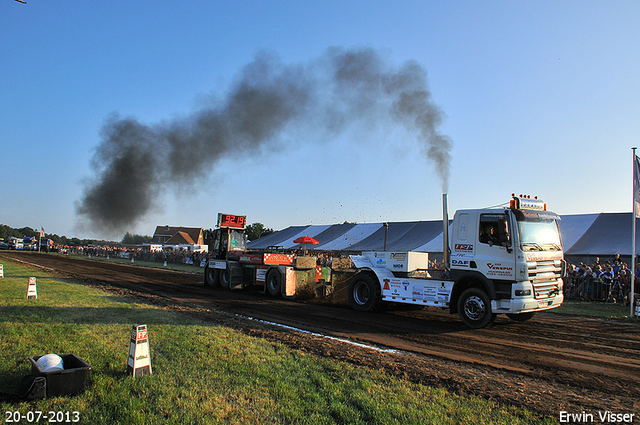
{"x": 445, "y": 231}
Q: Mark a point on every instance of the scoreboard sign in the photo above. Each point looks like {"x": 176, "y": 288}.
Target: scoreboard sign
{"x": 232, "y": 221}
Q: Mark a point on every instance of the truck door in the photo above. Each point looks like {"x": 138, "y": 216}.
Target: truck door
{"x": 494, "y": 252}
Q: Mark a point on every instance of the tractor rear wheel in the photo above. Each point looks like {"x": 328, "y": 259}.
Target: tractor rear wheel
{"x": 274, "y": 282}
{"x": 225, "y": 277}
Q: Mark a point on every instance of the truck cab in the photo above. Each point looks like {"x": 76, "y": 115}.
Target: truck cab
{"x": 496, "y": 261}
{"x": 513, "y": 255}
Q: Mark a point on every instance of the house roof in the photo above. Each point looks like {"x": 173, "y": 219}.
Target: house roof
{"x": 164, "y": 233}
{"x": 180, "y": 238}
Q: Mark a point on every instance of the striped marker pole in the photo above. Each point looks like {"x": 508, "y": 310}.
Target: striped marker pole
{"x": 32, "y": 292}
{"x": 139, "y": 363}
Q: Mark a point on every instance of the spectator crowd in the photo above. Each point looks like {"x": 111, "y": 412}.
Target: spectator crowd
{"x": 607, "y": 282}
{"x": 175, "y": 256}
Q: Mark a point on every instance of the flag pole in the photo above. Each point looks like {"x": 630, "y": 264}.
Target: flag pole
{"x": 633, "y": 231}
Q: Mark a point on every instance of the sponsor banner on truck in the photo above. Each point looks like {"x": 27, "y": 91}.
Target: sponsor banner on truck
{"x": 216, "y": 264}
{"x": 500, "y": 270}
{"x": 543, "y": 256}
{"x": 458, "y": 262}
{"x": 417, "y": 290}
{"x": 261, "y": 275}
{"x": 250, "y": 258}
{"x": 463, "y": 248}
{"x": 278, "y": 259}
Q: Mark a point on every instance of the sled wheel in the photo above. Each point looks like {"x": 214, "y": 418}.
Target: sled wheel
{"x": 365, "y": 294}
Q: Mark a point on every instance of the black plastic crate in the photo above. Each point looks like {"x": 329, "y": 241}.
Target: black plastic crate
{"x": 71, "y": 380}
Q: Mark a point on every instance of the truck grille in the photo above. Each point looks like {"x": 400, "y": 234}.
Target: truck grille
{"x": 545, "y": 278}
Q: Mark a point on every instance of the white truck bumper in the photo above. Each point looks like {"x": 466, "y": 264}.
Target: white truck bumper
{"x": 526, "y": 304}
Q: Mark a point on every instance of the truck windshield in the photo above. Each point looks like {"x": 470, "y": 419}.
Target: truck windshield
{"x": 538, "y": 232}
{"x": 237, "y": 241}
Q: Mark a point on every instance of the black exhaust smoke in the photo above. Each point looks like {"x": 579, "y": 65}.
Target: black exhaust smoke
{"x": 136, "y": 163}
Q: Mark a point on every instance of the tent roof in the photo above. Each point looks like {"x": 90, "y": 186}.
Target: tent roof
{"x": 572, "y": 227}
{"x": 311, "y": 231}
{"x": 276, "y": 239}
{"x": 332, "y": 233}
{"x": 609, "y": 234}
{"x": 600, "y": 234}
{"x": 345, "y": 240}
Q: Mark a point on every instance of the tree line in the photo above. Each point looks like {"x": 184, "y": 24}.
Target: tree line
{"x": 7, "y": 232}
{"x": 254, "y": 231}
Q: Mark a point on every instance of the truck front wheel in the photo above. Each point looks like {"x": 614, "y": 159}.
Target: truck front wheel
{"x": 365, "y": 294}
{"x": 211, "y": 277}
{"x": 474, "y": 307}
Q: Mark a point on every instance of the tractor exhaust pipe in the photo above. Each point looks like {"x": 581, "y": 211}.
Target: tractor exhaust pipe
{"x": 445, "y": 232}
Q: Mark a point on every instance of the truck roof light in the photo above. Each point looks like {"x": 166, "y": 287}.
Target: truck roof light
{"x": 527, "y": 202}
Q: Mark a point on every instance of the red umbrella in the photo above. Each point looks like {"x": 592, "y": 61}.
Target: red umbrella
{"x": 306, "y": 240}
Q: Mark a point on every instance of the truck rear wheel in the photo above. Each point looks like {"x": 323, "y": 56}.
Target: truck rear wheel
{"x": 211, "y": 277}
{"x": 274, "y": 282}
{"x": 522, "y": 317}
{"x": 365, "y": 294}
{"x": 474, "y": 307}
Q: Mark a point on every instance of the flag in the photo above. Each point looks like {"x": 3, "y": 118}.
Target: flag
{"x": 636, "y": 186}
{"x": 636, "y": 213}
{"x": 42, "y": 230}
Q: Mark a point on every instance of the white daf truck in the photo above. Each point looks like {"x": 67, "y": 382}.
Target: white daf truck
{"x": 497, "y": 261}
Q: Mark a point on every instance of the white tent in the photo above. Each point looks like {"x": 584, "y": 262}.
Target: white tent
{"x": 583, "y": 235}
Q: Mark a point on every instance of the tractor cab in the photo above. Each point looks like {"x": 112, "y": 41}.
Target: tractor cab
{"x": 229, "y": 239}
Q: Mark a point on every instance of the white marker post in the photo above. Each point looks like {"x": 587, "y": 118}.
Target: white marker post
{"x": 139, "y": 363}
{"x": 32, "y": 292}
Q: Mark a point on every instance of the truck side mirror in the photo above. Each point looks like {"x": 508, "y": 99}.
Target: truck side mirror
{"x": 505, "y": 240}
{"x": 505, "y": 237}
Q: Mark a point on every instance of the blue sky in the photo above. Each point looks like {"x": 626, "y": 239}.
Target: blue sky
{"x": 537, "y": 97}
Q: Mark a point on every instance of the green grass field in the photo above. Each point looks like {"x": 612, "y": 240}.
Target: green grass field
{"x": 138, "y": 263}
{"x": 203, "y": 373}
{"x": 594, "y": 309}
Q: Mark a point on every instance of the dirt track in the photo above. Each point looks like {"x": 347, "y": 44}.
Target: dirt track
{"x": 550, "y": 364}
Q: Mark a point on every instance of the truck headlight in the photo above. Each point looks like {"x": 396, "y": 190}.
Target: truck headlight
{"x": 522, "y": 292}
